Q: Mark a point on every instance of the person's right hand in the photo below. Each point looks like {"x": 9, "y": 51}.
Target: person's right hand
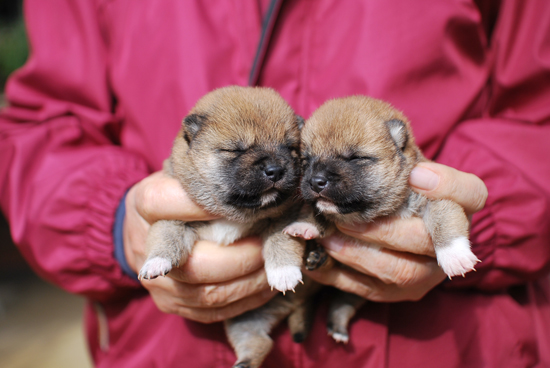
{"x": 217, "y": 282}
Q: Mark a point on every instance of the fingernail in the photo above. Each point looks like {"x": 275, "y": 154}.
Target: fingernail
{"x": 423, "y": 178}
{"x": 334, "y": 243}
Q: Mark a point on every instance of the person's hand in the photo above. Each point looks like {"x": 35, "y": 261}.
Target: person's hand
{"x": 396, "y": 260}
{"x": 216, "y": 282}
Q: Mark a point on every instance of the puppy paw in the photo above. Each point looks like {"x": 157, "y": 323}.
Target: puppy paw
{"x": 245, "y": 364}
{"x": 316, "y": 258}
{"x": 457, "y": 258}
{"x": 154, "y": 268}
{"x": 304, "y": 230}
{"x": 283, "y": 278}
{"x": 338, "y": 334}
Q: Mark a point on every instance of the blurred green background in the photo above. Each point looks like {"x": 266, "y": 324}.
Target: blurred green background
{"x": 13, "y": 39}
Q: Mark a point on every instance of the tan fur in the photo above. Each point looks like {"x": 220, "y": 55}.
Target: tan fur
{"x": 358, "y": 153}
{"x": 237, "y": 156}
{"x": 355, "y": 127}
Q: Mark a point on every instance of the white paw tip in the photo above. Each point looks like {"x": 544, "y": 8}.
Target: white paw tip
{"x": 338, "y": 337}
{"x": 457, "y": 258}
{"x": 283, "y": 278}
{"x": 155, "y": 267}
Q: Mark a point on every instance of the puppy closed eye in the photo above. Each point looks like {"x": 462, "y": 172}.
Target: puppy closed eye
{"x": 361, "y": 159}
{"x": 234, "y": 150}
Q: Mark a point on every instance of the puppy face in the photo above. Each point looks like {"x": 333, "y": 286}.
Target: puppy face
{"x": 357, "y": 154}
{"x": 237, "y": 153}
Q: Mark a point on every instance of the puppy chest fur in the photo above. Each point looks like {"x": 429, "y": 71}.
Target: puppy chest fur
{"x": 223, "y": 231}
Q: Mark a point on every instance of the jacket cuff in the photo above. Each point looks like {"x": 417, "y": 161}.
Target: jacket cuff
{"x": 510, "y": 235}
{"x": 118, "y": 238}
{"x": 105, "y": 205}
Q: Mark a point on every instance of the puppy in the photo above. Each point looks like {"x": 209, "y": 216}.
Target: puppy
{"x": 237, "y": 156}
{"x": 357, "y": 154}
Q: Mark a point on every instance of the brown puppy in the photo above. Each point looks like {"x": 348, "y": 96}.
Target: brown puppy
{"x": 358, "y": 153}
{"x": 237, "y": 156}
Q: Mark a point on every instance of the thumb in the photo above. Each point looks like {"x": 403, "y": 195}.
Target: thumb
{"x": 437, "y": 181}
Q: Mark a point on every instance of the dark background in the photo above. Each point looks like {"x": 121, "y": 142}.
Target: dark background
{"x": 13, "y": 53}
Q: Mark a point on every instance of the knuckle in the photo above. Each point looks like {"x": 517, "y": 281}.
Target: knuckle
{"x": 167, "y": 308}
{"x": 146, "y": 199}
{"x": 363, "y": 292}
{"x": 385, "y": 232}
{"x": 212, "y": 295}
{"x": 480, "y": 196}
{"x": 405, "y": 275}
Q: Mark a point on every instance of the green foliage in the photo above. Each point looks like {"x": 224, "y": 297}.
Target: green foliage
{"x": 13, "y": 49}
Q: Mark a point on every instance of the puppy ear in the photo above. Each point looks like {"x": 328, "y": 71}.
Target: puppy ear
{"x": 300, "y": 120}
{"x": 192, "y": 124}
{"x": 398, "y": 131}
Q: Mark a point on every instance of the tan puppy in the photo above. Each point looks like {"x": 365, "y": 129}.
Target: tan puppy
{"x": 237, "y": 156}
{"x": 358, "y": 153}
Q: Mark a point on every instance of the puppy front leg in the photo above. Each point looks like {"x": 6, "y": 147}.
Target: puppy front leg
{"x": 168, "y": 244}
{"x": 308, "y": 226}
{"x": 283, "y": 257}
{"x": 448, "y": 226}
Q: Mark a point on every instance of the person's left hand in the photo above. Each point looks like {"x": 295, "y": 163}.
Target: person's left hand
{"x": 396, "y": 260}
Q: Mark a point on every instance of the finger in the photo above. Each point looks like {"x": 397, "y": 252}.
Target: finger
{"x": 438, "y": 181}
{"x": 211, "y": 315}
{"x": 211, "y": 263}
{"x": 405, "y": 235}
{"x": 160, "y": 196}
{"x": 346, "y": 280}
{"x": 211, "y": 295}
{"x": 373, "y": 289}
{"x": 389, "y": 266}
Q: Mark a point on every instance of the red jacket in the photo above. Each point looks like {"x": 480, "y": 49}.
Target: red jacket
{"x": 96, "y": 108}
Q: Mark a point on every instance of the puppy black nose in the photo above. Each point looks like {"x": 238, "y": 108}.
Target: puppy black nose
{"x": 318, "y": 183}
{"x": 274, "y": 172}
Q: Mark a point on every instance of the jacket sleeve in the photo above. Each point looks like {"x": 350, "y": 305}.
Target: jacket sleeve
{"x": 509, "y": 148}
{"x": 62, "y": 174}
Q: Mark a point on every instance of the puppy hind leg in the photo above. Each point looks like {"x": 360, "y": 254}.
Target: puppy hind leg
{"x": 249, "y": 332}
{"x": 168, "y": 244}
{"x": 341, "y": 310}
{"x": 300, "y": 320}
{"x": 448, "y": 226}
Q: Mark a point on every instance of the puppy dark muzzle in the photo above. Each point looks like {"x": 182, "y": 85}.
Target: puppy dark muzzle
{"x": 274, "y": 172}
{"x": 318, "y": 183}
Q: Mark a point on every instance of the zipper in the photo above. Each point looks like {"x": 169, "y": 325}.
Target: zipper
{"x": 267, "y": 30}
